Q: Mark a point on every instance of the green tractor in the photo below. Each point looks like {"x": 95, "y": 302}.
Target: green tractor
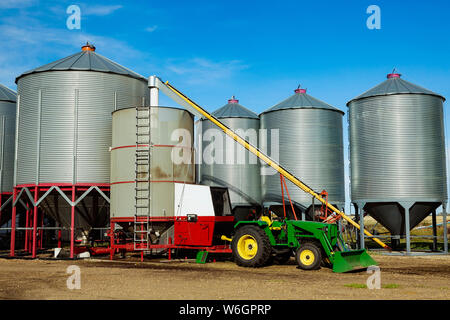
{"x": 256, "y": 243}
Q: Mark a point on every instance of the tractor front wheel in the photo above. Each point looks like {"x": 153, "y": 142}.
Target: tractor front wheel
{"x": 251, "y": 247}
{"x": 308, "y": 256}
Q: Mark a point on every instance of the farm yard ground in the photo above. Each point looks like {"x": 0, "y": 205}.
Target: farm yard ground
{"x": 417, "y": 277}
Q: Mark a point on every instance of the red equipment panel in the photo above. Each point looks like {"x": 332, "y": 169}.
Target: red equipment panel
{"x": 196, "y": 233}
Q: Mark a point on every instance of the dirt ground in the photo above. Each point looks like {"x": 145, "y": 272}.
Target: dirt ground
{"x": 401, "y": 278}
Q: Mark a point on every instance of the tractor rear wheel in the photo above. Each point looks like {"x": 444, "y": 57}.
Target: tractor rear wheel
{"x": 309, "y": 256}
{"x": 251, "y": 247}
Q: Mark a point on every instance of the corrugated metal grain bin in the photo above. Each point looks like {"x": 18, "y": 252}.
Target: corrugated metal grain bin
{"x": 233, "y": 167}
{"x": 7, "y": 134}
{"x": 310, "y": 147}
{"x": 7, "y": 145}
{"x": 397, "y": 152}
{"x": 172, "y": 159}
{"x": 64, "y": 129}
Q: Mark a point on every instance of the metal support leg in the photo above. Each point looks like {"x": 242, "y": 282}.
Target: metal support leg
{"x": 433, "y": 218}
{"x": 303, "y": 216}
{"x": 30, "y": 232}
{"x": 41, "y": 231}
{"x": 72, "y": 225}
{"x": 35, "y": 216}
{"x": 361, "y": 227}
{"x": 13, "y": 225}
{"x": 27, "y": 232}
{"x": 59, "y": 238}
{"x": 111, "y": 239}
{"x": 170, "y": 250}
{"x": 407, "y": 230}
{"x": 445, "y": 227}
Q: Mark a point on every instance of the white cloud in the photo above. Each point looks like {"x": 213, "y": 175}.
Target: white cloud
{"x": 99, "y": 10}
{"x": 200, "y": 70}
{"x": 87, "y": 9}
{"x": 151, "y": 29}
{"x": 30, "y": 44}
{"x": 16, "y": 4}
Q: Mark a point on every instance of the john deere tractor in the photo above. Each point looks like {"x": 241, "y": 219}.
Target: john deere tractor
{"x": 256, "y": 243}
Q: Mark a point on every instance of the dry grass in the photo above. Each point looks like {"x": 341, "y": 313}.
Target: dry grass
{"x": 370, "y": 222}
{"x": 418, "y": 241}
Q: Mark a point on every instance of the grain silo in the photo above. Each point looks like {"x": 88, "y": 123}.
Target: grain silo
{"x": 310, "y": 146}
{"x": 224, "y": 163}
{"x": 171, "y": 161}
{"x": 64, "y": 135}
{"x": 397, "y": 153}
{"x": 7, "y": 142}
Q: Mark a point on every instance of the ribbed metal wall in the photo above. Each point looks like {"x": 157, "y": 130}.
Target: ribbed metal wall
{"x": 311, "y": 148}
{"x": 397, "y": 148}
{"x": 243, "y": 180}
{"x": 65, "y": 124}
{"x": 164, "y": 171}
{"x": 7, "y": 145}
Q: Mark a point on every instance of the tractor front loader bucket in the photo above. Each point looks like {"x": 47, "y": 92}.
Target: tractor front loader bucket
{"x": 345, "y": 261}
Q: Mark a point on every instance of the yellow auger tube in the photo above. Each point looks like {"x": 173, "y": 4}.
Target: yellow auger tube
{"x": 270, "y": 162}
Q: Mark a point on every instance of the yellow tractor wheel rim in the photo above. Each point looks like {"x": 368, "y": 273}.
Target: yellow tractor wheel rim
{"x": 247, "y": 247}
{"x": 307, "y": 257}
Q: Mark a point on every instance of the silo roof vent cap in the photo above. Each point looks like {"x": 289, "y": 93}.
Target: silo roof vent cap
{"x": 393, "y": 75}
{"x": 88, "y": 47}
{"x": 300, "y": 90}
{"x": 233, "y": 100}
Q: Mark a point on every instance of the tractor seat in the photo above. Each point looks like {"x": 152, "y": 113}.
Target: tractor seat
{"x": 267, "y": 220}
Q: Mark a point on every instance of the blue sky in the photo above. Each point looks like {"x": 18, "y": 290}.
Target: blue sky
{"x": 257, "y": 50}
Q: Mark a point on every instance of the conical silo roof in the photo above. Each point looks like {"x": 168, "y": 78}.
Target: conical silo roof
{"x": 85, "y": 60}
{"x": 302, "y": 100}
{"x": 395, "y": 85}
{"x": 234, "y": 110}
{"x": 7, "y": 94}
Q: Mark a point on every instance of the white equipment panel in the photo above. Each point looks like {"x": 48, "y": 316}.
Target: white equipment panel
{"x": 193, "y": 199}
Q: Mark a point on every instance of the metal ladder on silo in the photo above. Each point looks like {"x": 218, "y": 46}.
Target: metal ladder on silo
{"x": 143, "y": 159}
